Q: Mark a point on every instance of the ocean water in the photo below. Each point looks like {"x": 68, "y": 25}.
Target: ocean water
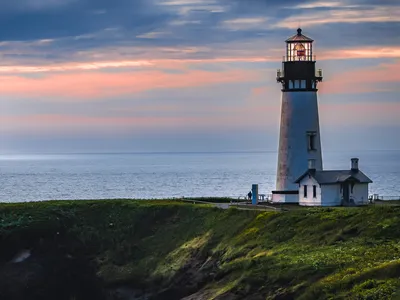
{"x": 167, "y": 175}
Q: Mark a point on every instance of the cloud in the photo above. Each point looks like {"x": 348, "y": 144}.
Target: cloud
{"x": 360, "y": 53}
{"x": 64, "y": 123}
{"x": 343, "y": 14}
{"x": 245, "y": 23}
{"x": 259, "y": 91}
{"x": 154, "y": 34}
{"x": 119, "y": 62}
{"x": 363, "y": 80}
{"x": 177, "y": 65}
{"x": 75, "y": 67}
{"x": 319, "y": 4}
{"x": 228, "y": 56}
{"x": 155, "y": 29}
{"x": 32, "y": 23}
{"x": 100, "y": 85}
{"x": 34, "y": 5}
{"x": 186, "y": 7}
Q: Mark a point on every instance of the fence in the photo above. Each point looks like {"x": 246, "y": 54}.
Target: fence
{"x": 374, "y": 197}
{"x": 268, "y": 198}
{"x": 383, "y": 198}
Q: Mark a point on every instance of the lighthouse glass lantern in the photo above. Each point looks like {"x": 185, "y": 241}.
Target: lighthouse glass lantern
{"x": 299, "y": 47}
{"x": 299, "y": 137}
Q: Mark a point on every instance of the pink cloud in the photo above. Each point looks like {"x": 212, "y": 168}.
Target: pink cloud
{"x": 336, "y": 115}
{"x": 120, "y": 64}
{"x": 260, "y": 91}
{"x": 358, "y": 53}
{"x": 362, "y": 80}
{"x": 74, "y": 66}
{"x": 91, "y": 85}
{"x": 229, "y": 56}
{"x": 212, "y": 118}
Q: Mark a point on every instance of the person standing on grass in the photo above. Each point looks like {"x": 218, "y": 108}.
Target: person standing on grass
{"x": 249, "y": 195}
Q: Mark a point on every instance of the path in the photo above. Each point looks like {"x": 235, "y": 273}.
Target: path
{"x": 236, "y": 205}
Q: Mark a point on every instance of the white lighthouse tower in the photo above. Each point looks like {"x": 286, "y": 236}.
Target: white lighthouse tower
{"x": 299, "y": 139}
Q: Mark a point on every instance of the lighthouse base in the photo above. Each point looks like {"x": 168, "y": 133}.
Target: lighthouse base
{"x": 285, "y": 196}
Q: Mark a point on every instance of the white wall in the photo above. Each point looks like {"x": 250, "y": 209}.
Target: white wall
{"x": 331, "y": 195}
{"x": 285, "y": 198}
{"x": 360, "y": 194}
{"x": 310, "y": 200}
{"x": 299, "y": 114}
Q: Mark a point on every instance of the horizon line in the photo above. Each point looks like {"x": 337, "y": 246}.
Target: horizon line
{"x": 174, "y": 152}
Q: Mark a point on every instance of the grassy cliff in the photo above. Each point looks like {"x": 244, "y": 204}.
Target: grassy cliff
{"x": 172, "y": 250}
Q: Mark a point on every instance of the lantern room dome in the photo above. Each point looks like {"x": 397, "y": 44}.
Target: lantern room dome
{"x": 299, "y": 37}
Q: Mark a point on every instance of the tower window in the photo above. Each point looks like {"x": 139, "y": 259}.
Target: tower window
{"x": 305, "y": 191}
{"x": 311, "y": 140}
{"x": 314, "y": 191}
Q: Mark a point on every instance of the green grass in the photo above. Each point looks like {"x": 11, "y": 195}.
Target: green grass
{"x": 179, "y": 248}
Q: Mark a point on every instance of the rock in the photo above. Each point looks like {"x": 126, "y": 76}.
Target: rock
{"x": 21, "y": 256}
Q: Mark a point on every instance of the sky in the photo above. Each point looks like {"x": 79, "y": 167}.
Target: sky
{"x": 190, "y": 75}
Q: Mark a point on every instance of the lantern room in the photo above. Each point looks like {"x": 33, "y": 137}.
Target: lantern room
{"x": 299, "y": 48}
{"x": 298, "y": 67}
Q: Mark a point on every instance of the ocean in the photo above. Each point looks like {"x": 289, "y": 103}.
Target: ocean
{"x": 167, "y": 175}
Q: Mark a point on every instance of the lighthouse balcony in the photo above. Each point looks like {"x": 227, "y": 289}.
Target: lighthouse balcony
{"x": 293, "y": 58}
{"x": 280, "y": 75}
{"x": 318, "y": 75}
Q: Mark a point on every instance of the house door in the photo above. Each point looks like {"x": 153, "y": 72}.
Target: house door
{"x": 346, "y": 193}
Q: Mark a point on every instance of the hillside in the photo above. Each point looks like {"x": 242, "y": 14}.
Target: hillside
{"x": 170, "y": 250}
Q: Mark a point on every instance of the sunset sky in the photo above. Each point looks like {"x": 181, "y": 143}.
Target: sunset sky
{"x": 190, "y": 75}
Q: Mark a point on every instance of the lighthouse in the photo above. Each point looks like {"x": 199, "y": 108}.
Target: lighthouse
{"x": 299, "y": 137}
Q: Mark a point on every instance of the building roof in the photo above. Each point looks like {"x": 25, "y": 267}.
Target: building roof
{"x": 336, "y": 176}
{"x": 299, "y": 37}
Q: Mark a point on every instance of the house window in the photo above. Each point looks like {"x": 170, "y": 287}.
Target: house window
{"x": 297, "y": 84}
{"x": 302, "y": 84}
{"x": 290, "y": 84}
{"x": 314, "y": 191}
{"x": 311, "y": 137}
{"x": 305, "y": 191}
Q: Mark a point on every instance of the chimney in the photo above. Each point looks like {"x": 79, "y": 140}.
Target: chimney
{"x": 311, "y": 164}
{"x": 354, "y": 164}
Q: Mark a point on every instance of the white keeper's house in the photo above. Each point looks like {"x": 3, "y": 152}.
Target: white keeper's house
{"x": 333, "y": 187}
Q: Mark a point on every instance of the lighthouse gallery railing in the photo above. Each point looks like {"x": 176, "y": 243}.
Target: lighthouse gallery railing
{"x": 281, "y": 74}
